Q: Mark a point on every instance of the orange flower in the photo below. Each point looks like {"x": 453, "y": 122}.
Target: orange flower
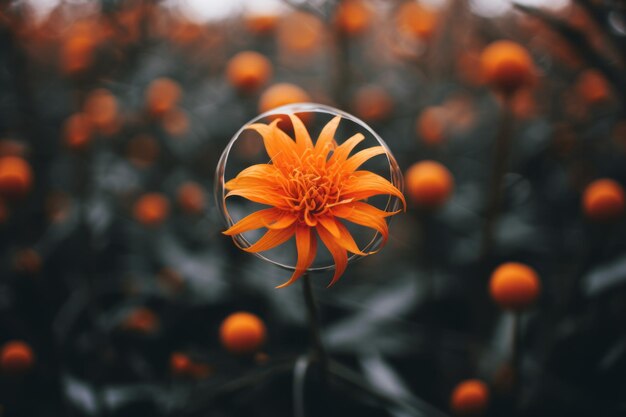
{"x": 311, "y": 188}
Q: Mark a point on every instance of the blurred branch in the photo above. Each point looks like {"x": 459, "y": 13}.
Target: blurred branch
{"x": 581, "y": 44}
{"x": 600, "y": 16}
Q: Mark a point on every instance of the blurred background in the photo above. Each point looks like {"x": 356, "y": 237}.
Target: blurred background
{"x": 508, "y": 121}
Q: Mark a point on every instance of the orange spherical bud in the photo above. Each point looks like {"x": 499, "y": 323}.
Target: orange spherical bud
{"x": 141, "y": 320}
{"x": 507, "y": 66}
{"x": 16, "y": 357}
{"x": 16, "y": 177}
{"x": 151, "y": 209}
{"x": 416, "y": 20}
{"x": 281, "y": 95}
{"x": 372, "y": 103}
{"x": 175, "y": 122}
{"x": 191, "y": 198}
{"x": 470, "y": 398}
{"x": 603, "y": 200}
{"x": 300, "y": 33}
{"x": 261, "y": 24}
{"x": 27, "y": 261}
{"x": 430, "y": 125}
{"x": 353, "y": 16}
{"x": 248, "y": 71}
{"x": 77, "y": 54}
{"x": 162, "y": 95}
{"x": 429, "y": 184}
{"x": 77, "y": 131}
{"x": 101, "y": 110}
{"x": 592, "y": 87}
{"x": 242, "y": 333}
{"x": 514, "y": 286}
{"x": 180, "y": 364}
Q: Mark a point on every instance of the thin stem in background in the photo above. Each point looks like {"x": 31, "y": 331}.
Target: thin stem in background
{"x": 314, "y": 327}
{"x": 516, "y": 362}
{"x": 500, "y": 161}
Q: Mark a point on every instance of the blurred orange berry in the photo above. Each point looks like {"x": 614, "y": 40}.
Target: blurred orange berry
{"x": 507, "y": 66}
{"x": 372, "y": 103}
{"x": 175, "y": 122}
{"x": 162, "y": 95}
{"x": 242, "y": 333}
{"x": 77, "y": 131}
{"x": 101, "y": 110}
{"x": 248, "y": 71}
{"x": 282, "y": 94}
{"x": 429, "y": 184}
{"x": 416, "y": 20}
{"x": 603, "y": 200}
{"x": 353, "y": 16}
{"x": 592, "y": 87}
{"x": 191, "y": 198}
{"x": 431, "y": 124}
{"x": 261, "y": 24}
{"x": 77, "y": 54}
{"x": 16, "y": 357}
{"x": 142, "y": 150}
{"x": 141, "y": 320}
{"x": 180, "y": 364}
{"x": 151, "y": 209}
{"x": 27, "y": 261}
{"x": 300, "y": 33}
{"x": 514, "y": 286}
{"x": 470, "y": 398}
{"x": 16, "y": 177}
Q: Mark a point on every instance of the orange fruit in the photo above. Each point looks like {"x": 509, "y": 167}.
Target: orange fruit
{"x": 280, "y": 95}
{"x": 431, "y": 124}
{"x": 191, "y": 198}
{"x": 300, "y": 33}
{"x": 77, "y": 54}
{"x": 77, "y": 131}
{"x": 507, "y": 66}
{"x": 429, "y": 184}
{"x": 372, "y": 103}
{"x": 416, "y": 20}
{"x": 514, "y": 286}
{"x": 260, "y": 24}
{"x": 242, "y": 333}
{"x": 180, "y": 364}
{"x": 603, "y": 200}
{"x": 16, "y": 357}
{"x": 248, "y": 71}
{"x": 151, "y": 209}
{"x": 353, "y": 17}
{"x": 592, "y": 87}
{"x": 162, "y": 95}
{"x": 141, "y": 320}
{"x": 16, "y": 177}
{"x": 176, "y": 122}
{"x": 101, "y": 109}
{"x": 470, "y": 398}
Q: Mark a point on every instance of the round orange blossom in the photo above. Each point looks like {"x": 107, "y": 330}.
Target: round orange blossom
{"x": 162, "y": 95}
{"x": 429, "y": 184}
{"x": 242, "y": 332}
{"x": 592, "y": 87}
{"x": 603, "y": 200}
{"x": 176, "y": 122}
{"x": 416, "y": 20}
{"x": 16, "y": 177}
{"x": 141, "y": 320}
{"x": 430, "y": 125}
{"x": 101, "y": 110}
{"x": 507, "y": 66}
{"x": 514, "y": 286}
{"x": 77, "y": 54}
{"x": 260, "y": 24}
{"x": 77, "y": 131}
{"x": 372, "y": 103}
{"x": 180, "y": 364}
{"x": 282, "y": 94}
{"x": 353, "y": 16}
{"x": 248, "y": 71}
{"x": 151, "y": 209}
{"x": 470, "y": 398}
{"x": 16, "y": 357}
{"x": 300, "y": 33}
{"x": 191, "y": 198}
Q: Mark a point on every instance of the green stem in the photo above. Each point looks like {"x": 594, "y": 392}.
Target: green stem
{"x": 319, "y": 351}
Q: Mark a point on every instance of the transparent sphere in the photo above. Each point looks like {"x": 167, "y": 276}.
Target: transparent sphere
{"x": 246, "y": 148}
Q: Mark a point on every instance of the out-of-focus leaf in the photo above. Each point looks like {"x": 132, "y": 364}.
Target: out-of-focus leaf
{"x": 605, "y": 277}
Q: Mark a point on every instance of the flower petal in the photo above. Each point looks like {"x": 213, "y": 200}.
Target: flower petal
{"x": 306, "y": 245}
{"x": 343, "y": 151}
{"x": 254, "y": 176}
{"x": 303, "y": 139}
{"x": 271, "y": 239}
{"x": 255, "y": 220}
{"x": 365, "y": 184}
{"x": 285, "y": 221}
{"x": 261, "y": 196}
{"x": 280, "y": 148}
{"x": 327, "y": 137}
{"x": 330, "y": 224}
{"x": 339, "y": 254}
{"x": 346, "y": 240}
{"x": 365, "y": 215}
{"x": 361, "y": 157}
